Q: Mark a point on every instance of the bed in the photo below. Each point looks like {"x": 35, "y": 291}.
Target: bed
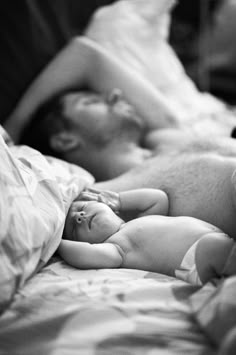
{"x": 50, "y": 308}
{"x": 66, "y": 311}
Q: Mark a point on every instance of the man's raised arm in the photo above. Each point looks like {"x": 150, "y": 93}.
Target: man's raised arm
{"x": 84, "y": 63}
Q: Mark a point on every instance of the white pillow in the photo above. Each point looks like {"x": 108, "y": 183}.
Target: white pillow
{"x": 36, "y": 193}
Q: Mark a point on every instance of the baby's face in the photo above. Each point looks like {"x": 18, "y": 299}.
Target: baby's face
{"x": 91, "y": 222}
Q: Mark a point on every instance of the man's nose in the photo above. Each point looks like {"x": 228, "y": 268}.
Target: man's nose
{"x": 114, "y": 96}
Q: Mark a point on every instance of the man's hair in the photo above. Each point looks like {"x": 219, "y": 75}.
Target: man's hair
{"x": 47, "y": 120}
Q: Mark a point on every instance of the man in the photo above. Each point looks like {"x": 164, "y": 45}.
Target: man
{"x": 106, "y": 137}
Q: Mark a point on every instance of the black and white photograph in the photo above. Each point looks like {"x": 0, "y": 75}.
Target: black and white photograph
{"x": 118, "y": 177}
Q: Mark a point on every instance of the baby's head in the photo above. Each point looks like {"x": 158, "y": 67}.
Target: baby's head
{"x": 91, "y": 221}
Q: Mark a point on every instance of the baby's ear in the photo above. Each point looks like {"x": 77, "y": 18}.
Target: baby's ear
{"x": 65, "y": 141}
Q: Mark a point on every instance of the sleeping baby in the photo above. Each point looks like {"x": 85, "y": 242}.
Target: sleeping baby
{"x": 97, "y": 235}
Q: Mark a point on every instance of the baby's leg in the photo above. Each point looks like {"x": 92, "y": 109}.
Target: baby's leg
{"x": 212, "y": 256}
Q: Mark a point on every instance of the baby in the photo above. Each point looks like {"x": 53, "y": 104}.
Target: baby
{"x": 185, "y": 247}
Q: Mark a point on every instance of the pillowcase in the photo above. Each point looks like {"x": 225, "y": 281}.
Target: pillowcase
{"x": 36, "y": 193}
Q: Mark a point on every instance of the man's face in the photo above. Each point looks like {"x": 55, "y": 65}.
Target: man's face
{"x": 101, "y": 119}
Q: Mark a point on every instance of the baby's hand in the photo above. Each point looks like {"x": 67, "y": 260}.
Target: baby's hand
{"x": 110, "y": 198}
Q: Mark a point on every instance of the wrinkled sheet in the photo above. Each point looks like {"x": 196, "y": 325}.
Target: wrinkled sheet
{"x": 214, "y": 308}
{"x": 65, "y": 311}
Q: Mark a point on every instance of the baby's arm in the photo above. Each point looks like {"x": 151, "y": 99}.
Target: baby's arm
{"x": 212, "y": 253}
{"x": 143, "y": 202}
{"x": 90, "y": 256}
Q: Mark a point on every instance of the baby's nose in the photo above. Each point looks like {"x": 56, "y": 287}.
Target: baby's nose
{"x": 80, "y": 217}
{"x": 114, "y": 96}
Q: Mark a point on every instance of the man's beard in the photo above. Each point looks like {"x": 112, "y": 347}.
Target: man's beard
{"x": 125, "y": 128}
